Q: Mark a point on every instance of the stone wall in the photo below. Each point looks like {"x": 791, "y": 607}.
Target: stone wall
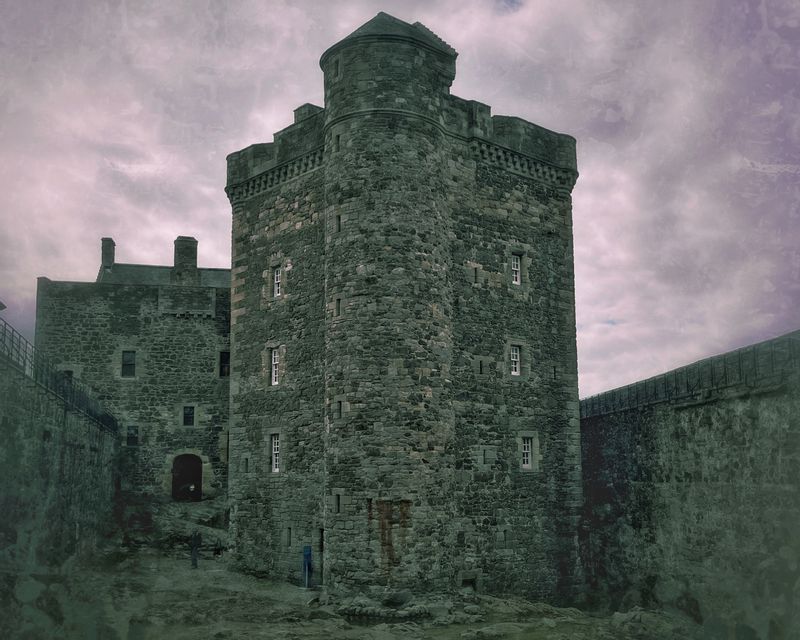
{"x": 393, "y": 215}
{"x": 692, "y": 488}
{"x": 177, "y": 333}
{"x": 57, "y": 472}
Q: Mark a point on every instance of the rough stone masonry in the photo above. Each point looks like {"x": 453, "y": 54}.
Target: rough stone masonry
{"x": 404, "y": 386}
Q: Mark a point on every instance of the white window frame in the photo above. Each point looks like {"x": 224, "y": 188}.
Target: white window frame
{"x": 527, "y": 452}
{"x": 516, "y": 360}
{"x": 275, "y": 449}
{"x": 276, "y": 282}
{"x": 275, "y": 360}
{"x": 516, "y": 269}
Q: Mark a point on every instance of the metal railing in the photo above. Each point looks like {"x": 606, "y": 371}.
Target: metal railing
{"x": 753, "y": 366}
{"x": 18, "y": 353}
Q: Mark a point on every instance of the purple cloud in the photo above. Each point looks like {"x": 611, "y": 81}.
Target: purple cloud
{"x": 115, "y": 120}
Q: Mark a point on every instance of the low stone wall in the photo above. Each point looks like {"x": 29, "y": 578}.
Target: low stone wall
{"x": 692, "y": 486}
{"x": 57, "y": 474}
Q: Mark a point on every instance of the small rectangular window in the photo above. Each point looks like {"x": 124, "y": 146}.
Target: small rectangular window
{"x": 475, "y": 275}
{"x": 338, "y": 310}
{"x": 338, "y": 222}
{"x": 276, "y": 282}
{"x": 527, "y": 448}
{"x": 480, "y": 366}
{"x": 336, "y": 69}
{"x": 246, "y": 465}
{"x": 515, "y": 360}
{"x": 288, "y": 536}
{"x": 188, "y": 415}
{"x": 128, "y": 364}
{"x": 337, "y": 140}
{"x": 516, "y": 269}
{"x": 275, "y": 367}
{"x": 338, "y": 408}
{"x": 133, "y": 436}
{"x": 275, "y": 448}
{"x": 67, "y": 373}
{"x": 338, "y": 503}
{"x": 224, "y": 364}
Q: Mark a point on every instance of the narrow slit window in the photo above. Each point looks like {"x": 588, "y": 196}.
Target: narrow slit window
{"x": 128, "y": 364}
{"x": 527, "y": 448}
{"x": 338, "y": 310}
{"x": 480, "y": 366}
{"x": 516, "y": 269}
{"x": 338, "y": 222}
{"x": 337, "y": 142}
{"x": 246, "y": 465}
{"x": 288, "y": 536}
{"x": 275, "y": 447}
{"x": 133, "y": 436}
{"x": 516, "y": 360}
{"x": 475, "y": 275}
{"x": 275, "y": 367}
{"x": 338, "y": 408}
{"x": 224, "y": 364}
{"x": 338, "y": 505}
{"x": 188, "y": 415}
{"x": 276, "y": 282}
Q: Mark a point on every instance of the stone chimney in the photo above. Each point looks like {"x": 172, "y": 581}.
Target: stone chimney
{"x": 107, "y": 252}
{"x": 184, "y": 270}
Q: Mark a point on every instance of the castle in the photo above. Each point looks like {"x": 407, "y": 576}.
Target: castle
{"x": 387, "y": 376}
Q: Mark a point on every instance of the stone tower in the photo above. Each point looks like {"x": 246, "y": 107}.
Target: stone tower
{"x": 404, "y": 384}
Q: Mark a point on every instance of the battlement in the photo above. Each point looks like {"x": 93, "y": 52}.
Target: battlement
{"x": 760, "y": 366}
{"x": 390, "y": 68}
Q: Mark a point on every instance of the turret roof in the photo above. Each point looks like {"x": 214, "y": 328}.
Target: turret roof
{"x": 385, "y": 25}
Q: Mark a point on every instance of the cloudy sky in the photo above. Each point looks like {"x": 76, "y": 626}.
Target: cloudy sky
{"x": 116, "y": 117}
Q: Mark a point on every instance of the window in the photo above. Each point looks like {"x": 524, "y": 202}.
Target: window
{"x": 276, "y": 282}
{"x": 275, "y": 448}
{"x": 288, "y": 536}
{"x": 516, "y": 269}
{"x": 275, "y": 366}
{"x": 338, "y": 408}
{"x": 515, "y": 360}
{"x": 338, "y": 503}
{"x": 336, "y": 69}
{"x": 128, "y": 364}
{"x": 337, "y": 141}
{"x": 338, "y": 310}
{"x": 188, "y": 415}
{"x": 338, "y": 222}
{"x": 475, "y": 275}
{"x": 67, "y": 373}
{"x": 480, "y": 366}
{"x": 224, "y": 364}
{"x": 527, "y": 450}
{"x": 133, "y": 436}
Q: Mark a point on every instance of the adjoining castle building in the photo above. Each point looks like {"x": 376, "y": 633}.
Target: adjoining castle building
{"x": 404, "y": 383}
{"x": 152, "y": 341}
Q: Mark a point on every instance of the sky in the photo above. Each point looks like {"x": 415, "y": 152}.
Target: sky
{"x": 116, "y": 117}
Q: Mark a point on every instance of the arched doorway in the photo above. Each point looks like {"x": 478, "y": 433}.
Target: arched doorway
{"x": 187, "y": 477}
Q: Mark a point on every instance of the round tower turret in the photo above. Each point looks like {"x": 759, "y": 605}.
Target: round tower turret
{"x": 388, "y": 342}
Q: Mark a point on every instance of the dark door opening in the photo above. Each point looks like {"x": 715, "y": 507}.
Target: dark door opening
{"x": 187, "y": 477}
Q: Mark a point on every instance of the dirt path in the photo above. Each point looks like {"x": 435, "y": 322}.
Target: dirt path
{"x": 150, "y": 595}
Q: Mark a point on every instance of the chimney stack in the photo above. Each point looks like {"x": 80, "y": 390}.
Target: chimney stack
{"x": 184, "y": 270}
{"x": 107, "y": 253}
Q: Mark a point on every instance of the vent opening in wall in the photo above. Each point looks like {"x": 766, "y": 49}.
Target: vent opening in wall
{"x": 468, "y": 584}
